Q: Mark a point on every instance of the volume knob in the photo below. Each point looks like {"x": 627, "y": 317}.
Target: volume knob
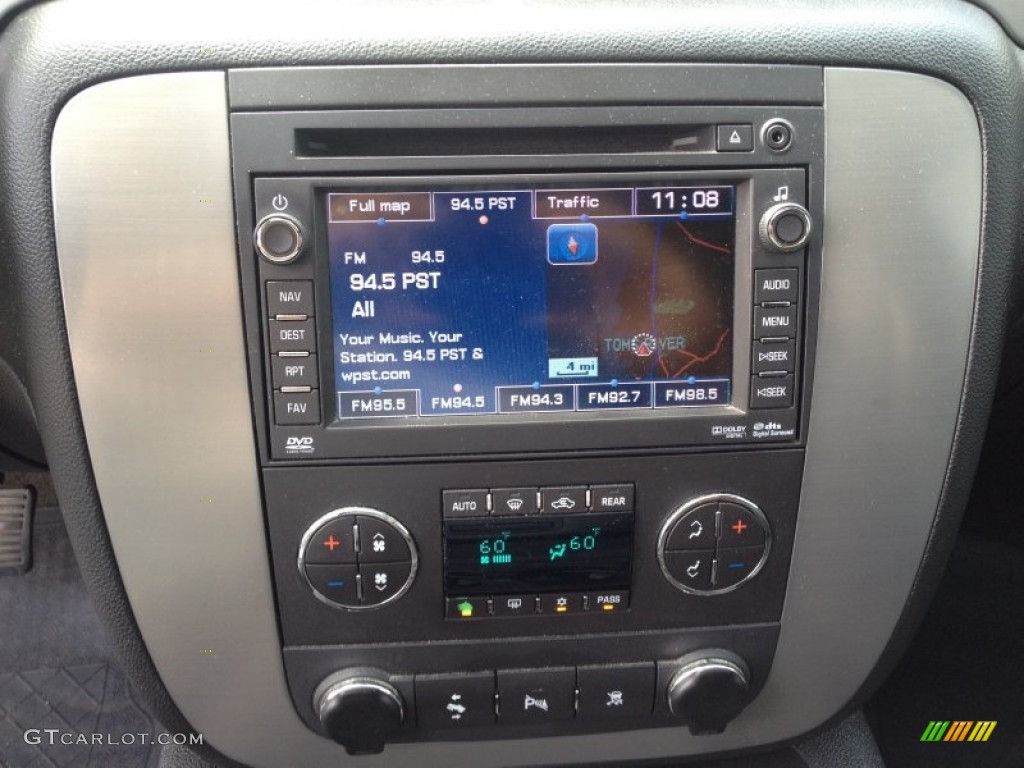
{"x": 785, "y": 227}
{"x": 360, "y": 710}
{"x": 710, "y": 688}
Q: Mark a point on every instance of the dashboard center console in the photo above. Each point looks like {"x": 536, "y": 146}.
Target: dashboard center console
{"x": 552, "y": 392}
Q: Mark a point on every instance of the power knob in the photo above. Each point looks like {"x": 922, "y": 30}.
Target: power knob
{"x": 785, "y": 227}
{"x": 709, "y": 689}
{"x": 359, "y": 709}
{"x": 278, "y": 238}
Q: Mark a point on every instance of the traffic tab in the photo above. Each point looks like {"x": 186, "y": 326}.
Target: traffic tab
{"x": 592, "y": 203}
{"x": 380, "y": 206}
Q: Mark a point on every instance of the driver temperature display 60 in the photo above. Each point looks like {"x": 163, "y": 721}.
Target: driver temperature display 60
{"x": 535, "y": 555}
{"x": 504, "y": 301}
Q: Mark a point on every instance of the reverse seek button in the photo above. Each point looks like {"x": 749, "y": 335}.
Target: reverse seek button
{"x": 773, "y": 392}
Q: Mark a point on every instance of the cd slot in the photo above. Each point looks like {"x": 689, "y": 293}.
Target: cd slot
{"x": 532, "y": 140}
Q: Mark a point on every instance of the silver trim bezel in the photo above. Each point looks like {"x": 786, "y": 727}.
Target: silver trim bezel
{"x": 697, "y": 666}
{"x": 321, "y": 698}
{"x": 335, "y": 514}
{"x": 776, "y": 212}
{"x": 681, "y": 512}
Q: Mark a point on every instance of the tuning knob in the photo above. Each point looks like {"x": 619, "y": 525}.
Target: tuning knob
{"x": 359, "y": 709}
{"x": 709, "y": 689}
{"x": 785, "y": 227}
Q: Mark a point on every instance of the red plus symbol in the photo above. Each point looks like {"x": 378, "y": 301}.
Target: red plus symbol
{"x": 331, "y": 542}
{"x": 740, "y": 526}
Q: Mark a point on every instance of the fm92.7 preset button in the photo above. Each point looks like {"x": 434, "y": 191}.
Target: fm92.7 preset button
{"x": 357, "y": 558}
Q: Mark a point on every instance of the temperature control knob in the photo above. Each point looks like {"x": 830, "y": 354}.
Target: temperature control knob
{"x": 360, "y": 710}
{"x": 710, "y": 688}
{"x": 785, "y": 227}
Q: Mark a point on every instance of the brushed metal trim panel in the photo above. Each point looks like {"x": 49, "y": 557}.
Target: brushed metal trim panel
{"x": 143, "y": 212}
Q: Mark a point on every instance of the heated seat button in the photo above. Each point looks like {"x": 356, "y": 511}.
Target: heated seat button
{"x": 532, "y": 696}
{"x": 455, "y": 701}
{"x": 734, "y": 565}
{"x": 695, "y": 530}
{"x": 739, "y": 527}
{"x": 380, "y": 542}
{"x": 335, "y": 582}
{"x": 611, "y": 692}
{"x": 332, "y": 543}
{"x": 691, "y": 570}
{"x": 382, "y": 581}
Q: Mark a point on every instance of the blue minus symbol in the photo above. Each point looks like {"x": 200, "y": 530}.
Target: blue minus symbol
{"x": 737, "y": 565}
{"x": 342, "y": 583}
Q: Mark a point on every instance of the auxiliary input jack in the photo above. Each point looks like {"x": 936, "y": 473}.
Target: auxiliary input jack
{"x": 777, "y": 135}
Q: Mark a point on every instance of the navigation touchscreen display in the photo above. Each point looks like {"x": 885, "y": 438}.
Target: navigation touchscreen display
{"x": 460, "y": 302}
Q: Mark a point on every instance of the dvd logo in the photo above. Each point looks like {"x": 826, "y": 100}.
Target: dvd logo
{"x": 296, "y": 444}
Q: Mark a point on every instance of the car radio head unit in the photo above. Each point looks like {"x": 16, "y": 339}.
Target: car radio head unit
{"x": 639, "y": 310}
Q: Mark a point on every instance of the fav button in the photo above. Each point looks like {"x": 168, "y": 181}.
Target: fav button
{"x": 295, "y": 408}
{"x": 531, "y": 696}
{"x": 692, "y": 570}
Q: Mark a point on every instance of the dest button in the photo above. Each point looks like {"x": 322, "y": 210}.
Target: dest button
{"x": 531, "y": 696}
{"x": 610, "y": 692}
{"x": 455, "y": 701}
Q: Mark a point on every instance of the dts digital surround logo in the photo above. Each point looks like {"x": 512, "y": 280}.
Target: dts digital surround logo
{"x": 958, "y": 730}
